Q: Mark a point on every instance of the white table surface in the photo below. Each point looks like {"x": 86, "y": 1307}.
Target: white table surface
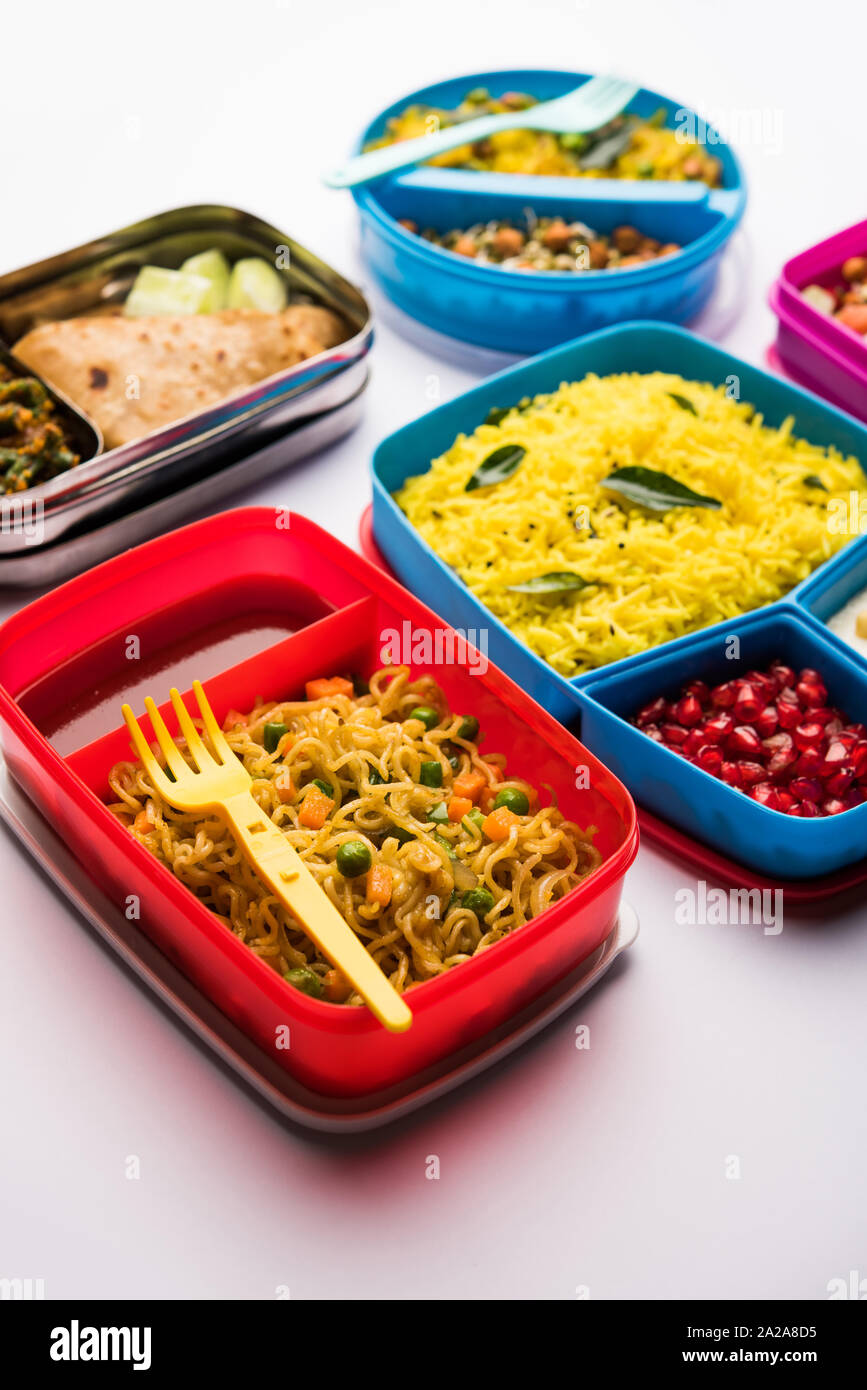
{"x": 602, "y": 1170}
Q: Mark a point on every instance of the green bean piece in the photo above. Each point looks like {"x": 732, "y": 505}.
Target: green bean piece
{"x": 431, "y": 774}
{"x": 272, "y": 736}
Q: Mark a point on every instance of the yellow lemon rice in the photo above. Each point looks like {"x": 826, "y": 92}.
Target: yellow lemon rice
{"x": 651, "y": 576}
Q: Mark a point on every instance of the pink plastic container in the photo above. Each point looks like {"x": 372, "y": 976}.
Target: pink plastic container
{"x": 818, "y": 352}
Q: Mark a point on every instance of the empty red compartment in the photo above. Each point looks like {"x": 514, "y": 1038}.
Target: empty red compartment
{"x": 293, "y": 567}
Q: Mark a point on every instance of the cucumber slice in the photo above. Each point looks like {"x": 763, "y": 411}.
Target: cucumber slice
{"x": 214, "y": 267}
{"x": 157, "y": 291}
{"x": 254, "y": 284}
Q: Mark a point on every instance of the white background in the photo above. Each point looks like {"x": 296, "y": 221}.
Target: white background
{"x": 561, "y": 1168}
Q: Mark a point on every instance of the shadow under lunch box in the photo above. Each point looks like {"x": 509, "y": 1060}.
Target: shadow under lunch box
{"x": 93, "y": 277}
{"x": 595, "y": 701}
{"x": 254, "y": 603}
{"x": 813, "y": 348}
{"x": 526, "y": 311}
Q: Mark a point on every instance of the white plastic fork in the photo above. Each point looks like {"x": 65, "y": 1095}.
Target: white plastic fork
{"x": 587, "y": 107}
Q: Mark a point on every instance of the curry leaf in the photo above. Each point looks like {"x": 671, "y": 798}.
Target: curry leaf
{"x": 813, "y": 480}
{"x": 683, "y": 401}
{"x": 497, "y": 467}
{"x": 559, "y": 582}
{"x": 656, "y": 491}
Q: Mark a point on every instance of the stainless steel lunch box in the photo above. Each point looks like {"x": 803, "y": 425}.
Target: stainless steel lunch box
{"x": 99, "y": 274}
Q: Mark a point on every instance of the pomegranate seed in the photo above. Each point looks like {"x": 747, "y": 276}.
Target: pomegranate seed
{"x": 806, "y": 788}
{"x": 810, "y": 676}
{"x": 673, "y": 733}
{"x": 856, "y": 796}
{"x": 732, "y": 774}
{"x": 699, "y": 690}
{"x": 823, "y": 715}
{"x": 744, "y": 740}
{"x": 764, "y": 685}
{"x": 811, "y": 694}
{"x": 841, "y": 781}
{"x": 833, "y": 806}
{"x": 780, "y": 742}
{"x": 788, "y": 713}
{"x": 783, "y": 675}
{"x": 768, "y": 795}
{"x": 751, "y": 773}
{"x": 807, "y": 809}
{"x": 710, "y": 757}
{"x": 723, "y": 696}
{"x": 859, "y": 730}
{"x": 718, "y": 728}
{"x": 810, "y": 762}
{"x": 859, "y": 757}
{"x": 652, "y": 731}
{"x": 652, "y": 713}
{"x": 834, "y": 728}
{"x": 835, "y": 756}
{"x": 848, "y": 740}
{"x": 765, "y": 723}
{"x": 808, "y": 736}
{"x": 785, "y": 802}
{"x": 695, "y": 739}
{"x": 781, "y": 764}
{"x": 688, "y": 711}
{"x": 748, "y": 704}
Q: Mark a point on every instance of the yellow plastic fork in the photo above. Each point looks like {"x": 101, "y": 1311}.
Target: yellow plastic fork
{"x": 222, "y": 783}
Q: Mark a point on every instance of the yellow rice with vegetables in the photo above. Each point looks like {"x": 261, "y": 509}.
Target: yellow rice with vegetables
{"x": 630, "y": 510}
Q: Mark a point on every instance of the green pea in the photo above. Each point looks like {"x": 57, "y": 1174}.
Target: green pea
{"x": 353, "y": 858}
{"x": 325, "y": 787}
{"x": 513, "y": 800}
{"x": 439, "y": 813}
{"x": 475, "y": 817}
{"x": 306, "y": 981}
{"x": 431, "y": 774}
{"x": 469, "y": 728}
{"x": 273, "y": 735}
{"x": 478, "y": 900}
{"x": 428, "y": 716}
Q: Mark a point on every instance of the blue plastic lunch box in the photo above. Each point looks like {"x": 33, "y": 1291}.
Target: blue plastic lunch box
{"x": 600, "y": 702}
{"x": 522, "y": 311}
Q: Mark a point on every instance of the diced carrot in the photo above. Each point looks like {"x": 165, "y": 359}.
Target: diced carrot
{"x": 314, "y": 809}
{"x": 284, "y": 787}
{"x": 235, "y": 720}
{"x": 469, "y": 784}
{"x": 459, "y": 806}
{"x": 379, "y": 884}
{"x": 498, "y": 825}
{"x": 322, "y": 687}
{"x": 144, "y": 822}
{"x": 337, "y": 987}
{"x": 489, "y": 792}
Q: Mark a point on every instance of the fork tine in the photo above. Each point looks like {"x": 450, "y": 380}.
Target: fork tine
{"x": 218, "y": 739}
{"x": 168, "y": 747}
{"x": 200, "y": 754}
{"x": 142, "y": 747}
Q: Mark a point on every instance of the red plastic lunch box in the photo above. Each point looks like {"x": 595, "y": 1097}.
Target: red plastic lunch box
{"x": 255, "y": 602}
